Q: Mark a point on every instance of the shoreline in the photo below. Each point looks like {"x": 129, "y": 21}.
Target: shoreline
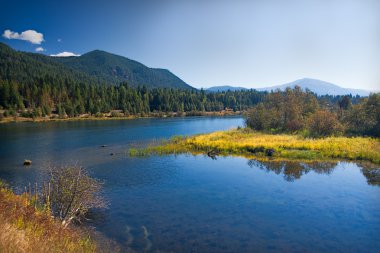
{"x": 107, "y": 116}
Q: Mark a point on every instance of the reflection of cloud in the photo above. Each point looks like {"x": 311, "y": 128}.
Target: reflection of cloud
{"x": 28, "y": 35}
{"x": 65, "y": 54}
{"x": 59, "y": 40}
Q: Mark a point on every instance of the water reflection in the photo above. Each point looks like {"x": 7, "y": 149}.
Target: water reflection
{"x": 294, "y": 170}
{"x": 371, "y": 172}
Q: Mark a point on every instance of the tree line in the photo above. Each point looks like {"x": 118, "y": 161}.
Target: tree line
{"x": 72, "y": 98}
{"x": 297, "y": 111}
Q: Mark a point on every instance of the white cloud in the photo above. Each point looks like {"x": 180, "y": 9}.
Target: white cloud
{"x": 59, "y": 40}
{"x": 65, "y": 54}
{"x": 40, "y": 49}
{"x": 28, "y": 35}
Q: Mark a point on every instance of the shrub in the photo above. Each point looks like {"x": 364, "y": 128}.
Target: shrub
{"x": 324, "y": 123}
{"x": 99, "y": 115}
{"x": 73, "y": 193}
{"x": 115, "y": 114}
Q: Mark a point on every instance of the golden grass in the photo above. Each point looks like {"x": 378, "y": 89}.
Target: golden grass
{"x": 245, "y": 142}
{"x": 25, "y": 229}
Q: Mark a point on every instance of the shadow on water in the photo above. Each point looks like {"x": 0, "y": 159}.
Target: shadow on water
{"x": 294, "y": 170}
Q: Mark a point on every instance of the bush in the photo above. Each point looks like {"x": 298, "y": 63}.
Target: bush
{"x": 73, "y": 193}
{"x": 115, "y": 114}
{"x": 27, "y": 114}
{"x": 324, "y": 123}
{"x": 99, "y": 115}
{"x": 260, "y": 118}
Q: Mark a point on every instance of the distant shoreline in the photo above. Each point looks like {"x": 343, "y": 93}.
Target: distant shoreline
{"x": 107, "y": 116}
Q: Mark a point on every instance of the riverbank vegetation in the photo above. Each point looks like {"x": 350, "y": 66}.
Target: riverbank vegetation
{"x": 248, "y": 143}
{"x": 298, "y": 112}
{"x": 64, "y": 98}
{"x": 25, "y": 228}
{"x": 46, "y": 217}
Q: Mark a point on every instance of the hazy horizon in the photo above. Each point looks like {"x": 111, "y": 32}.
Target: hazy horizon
{"x": 212, "y": 43}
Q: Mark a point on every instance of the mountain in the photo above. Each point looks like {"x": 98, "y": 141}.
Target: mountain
{"x": 319, "y": 87}
{"x": 115, "y": 69}
{"x": 225, "y": 88}
{"x": 93, "y": 67}
{"x": 26, "y": 67}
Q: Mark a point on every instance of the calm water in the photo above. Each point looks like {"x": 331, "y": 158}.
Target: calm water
{"x": 196, "y": 204}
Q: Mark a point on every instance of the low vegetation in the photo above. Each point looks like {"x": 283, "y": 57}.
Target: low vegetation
{"x": 249, "y": 143}
{"x": 71, "y": 192}
{"x": 42, "y": 218}
{"x": 25, "y": 228}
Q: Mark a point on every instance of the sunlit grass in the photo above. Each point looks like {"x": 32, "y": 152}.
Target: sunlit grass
{"x": 245, "y": 142}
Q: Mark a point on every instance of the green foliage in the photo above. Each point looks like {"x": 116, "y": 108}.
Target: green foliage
{"x": 364, "y": 118}
{"x": 89, "y": 84}
{"x": 283, "y": 111}
{"x": 114, "y": 69}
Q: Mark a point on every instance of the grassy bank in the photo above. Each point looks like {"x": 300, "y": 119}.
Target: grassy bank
{"x": 23, "y": 228}
{"x": 245, "y": 142}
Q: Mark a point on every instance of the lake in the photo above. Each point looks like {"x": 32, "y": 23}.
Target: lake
{"x": 188, "y": 203}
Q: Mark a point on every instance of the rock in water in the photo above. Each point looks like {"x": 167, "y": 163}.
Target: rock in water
{"x": 27, "y": 162}
{"x": 269, "y": 152}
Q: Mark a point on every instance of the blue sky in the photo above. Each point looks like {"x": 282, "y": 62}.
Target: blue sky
{"x": 206, "y": 43}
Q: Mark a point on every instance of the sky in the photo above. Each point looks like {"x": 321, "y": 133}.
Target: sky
{"x": 211, "y": 42}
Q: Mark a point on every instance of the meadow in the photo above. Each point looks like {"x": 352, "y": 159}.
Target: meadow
{"x": 248, "y": 143}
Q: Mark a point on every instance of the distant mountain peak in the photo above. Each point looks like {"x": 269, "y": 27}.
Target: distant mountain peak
{"x": 319, "y": 87}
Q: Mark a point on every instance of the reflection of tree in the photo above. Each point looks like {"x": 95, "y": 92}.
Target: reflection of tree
{"x": 371, "y": 172}
{"x": 293, "y": 170}
{"x": 322, "y": 167}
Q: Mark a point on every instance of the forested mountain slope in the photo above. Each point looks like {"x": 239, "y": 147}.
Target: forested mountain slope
{"x": 96, "y": 67}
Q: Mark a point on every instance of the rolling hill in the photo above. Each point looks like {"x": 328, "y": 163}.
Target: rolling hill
{"x": 93, "y": 67}
{"x": 115, "y": 69}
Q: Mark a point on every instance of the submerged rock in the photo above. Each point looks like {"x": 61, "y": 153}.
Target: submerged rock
{"x": 103, "y": 146}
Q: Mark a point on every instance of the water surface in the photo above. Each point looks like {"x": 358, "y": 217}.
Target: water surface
{"x": 190, "y": 203}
